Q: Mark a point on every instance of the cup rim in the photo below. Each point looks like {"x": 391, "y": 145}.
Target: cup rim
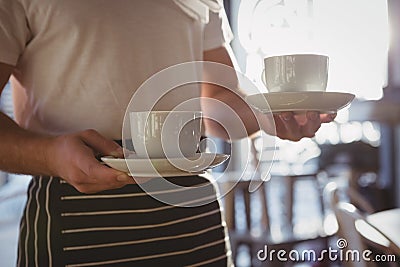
{"x": 297, "y": 54}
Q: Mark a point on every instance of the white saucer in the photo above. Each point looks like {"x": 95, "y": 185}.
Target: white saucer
{"x": 324, "y": 102}
{"x": 141, "y": 167}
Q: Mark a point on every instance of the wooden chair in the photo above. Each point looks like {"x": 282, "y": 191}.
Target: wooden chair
{"x": 353, "y": 161}
{"x": 256, "y": 234}
{"x": 349, "y": 218}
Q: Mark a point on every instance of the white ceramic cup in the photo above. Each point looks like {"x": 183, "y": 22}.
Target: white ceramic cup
{"x": 165, "y": 134}
{"x": 295, "y": 73}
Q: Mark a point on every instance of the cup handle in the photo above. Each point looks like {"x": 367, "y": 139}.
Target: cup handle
{"x": 263, "y": 77}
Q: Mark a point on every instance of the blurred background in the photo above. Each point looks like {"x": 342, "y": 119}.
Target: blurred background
{"x": 354, "y": 160}
{"x": 317, "y": 188}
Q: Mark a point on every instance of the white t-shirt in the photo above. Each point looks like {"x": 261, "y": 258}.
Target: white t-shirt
{"x": 79, "y": 62}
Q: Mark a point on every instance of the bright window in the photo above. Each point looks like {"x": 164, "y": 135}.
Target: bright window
{"x": 353, "y": 33}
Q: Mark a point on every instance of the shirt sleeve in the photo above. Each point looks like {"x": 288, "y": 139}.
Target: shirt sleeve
{"x": 217, "y": 31}
{"x": 14, "y": 31}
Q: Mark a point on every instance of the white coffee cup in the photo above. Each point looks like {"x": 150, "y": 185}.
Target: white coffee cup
{"x": 165, "y": 134}
{"x": 294, "y": 73}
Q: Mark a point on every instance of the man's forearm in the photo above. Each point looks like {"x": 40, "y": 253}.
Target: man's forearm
{"x": 22, "y": 151}
{"x": 232, "y": 117}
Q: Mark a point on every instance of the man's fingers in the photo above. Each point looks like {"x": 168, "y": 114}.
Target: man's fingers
{"x": 100, "y": 178}
{"x": 326, "y": 118}
{"x": 293, "y": 130}
{"x": 106, "y": 174}
{"x": 101, "y": 144}
{"x": 312, "y": 125}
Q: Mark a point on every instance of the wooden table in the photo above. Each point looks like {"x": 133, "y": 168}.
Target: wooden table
{"x": 387, "y": 222}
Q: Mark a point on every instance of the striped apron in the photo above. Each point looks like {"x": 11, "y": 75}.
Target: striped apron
{"x": 121, "y": 227}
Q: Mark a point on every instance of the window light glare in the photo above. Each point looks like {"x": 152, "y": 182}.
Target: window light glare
{"x": 351, "y": 132}
{"x": 371, "y": 133}
{"x": 353, "y": 33}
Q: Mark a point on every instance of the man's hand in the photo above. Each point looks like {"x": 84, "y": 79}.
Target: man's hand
{"x": 286, "y": 125}
{"x": 73, "y": 158}
{"x": 296, "y": 126}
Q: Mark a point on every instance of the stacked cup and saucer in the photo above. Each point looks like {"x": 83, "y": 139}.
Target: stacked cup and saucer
{"x": 297, "y": 83}
{"x": 165, "y": 144}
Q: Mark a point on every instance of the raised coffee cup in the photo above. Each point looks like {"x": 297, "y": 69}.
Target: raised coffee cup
{"x": 296, "y": 73}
